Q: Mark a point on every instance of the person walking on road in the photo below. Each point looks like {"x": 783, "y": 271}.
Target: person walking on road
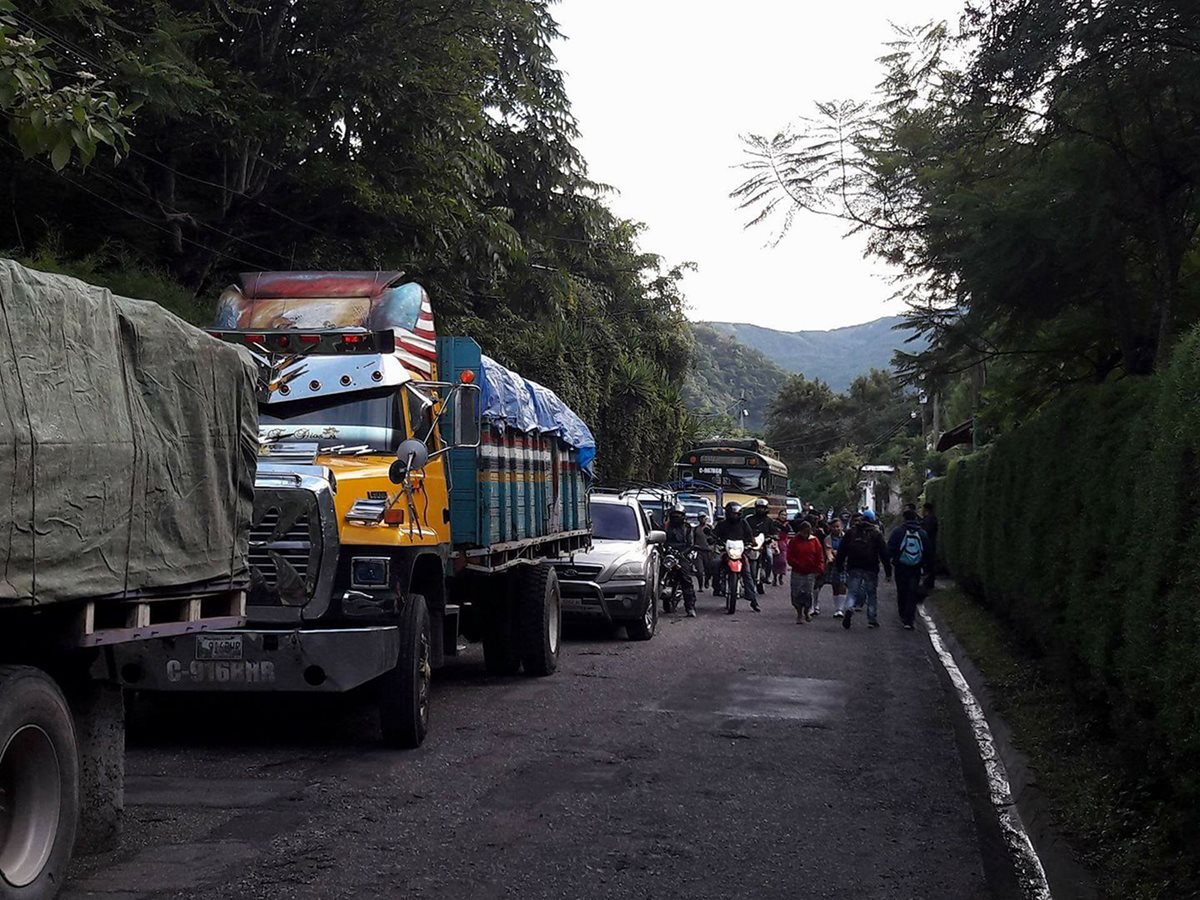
{"x": 860, "y": 555}
{"x": 806, "y": 557}
{"x": 930, "y": 524}
{"x": 705, "y": 563}
{"x": 780, "y": 565}
{"x": 908, "y": 548}
{"x": 820, "y": 531}
{"x": 834, "y": 577}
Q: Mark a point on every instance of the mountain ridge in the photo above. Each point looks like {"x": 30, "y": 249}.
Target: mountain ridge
{"x": 836, "y": 356}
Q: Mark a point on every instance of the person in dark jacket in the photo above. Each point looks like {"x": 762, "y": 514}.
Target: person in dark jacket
{"x": 760, "y": 522}
{"x": 735, "y": 528}
{"x": 860, "y": 555}
{"x": 908, "y": 547}
{"x": 930, "y": 524}
{"x": 704, "y": 544}
{"x": 681, "y": 538}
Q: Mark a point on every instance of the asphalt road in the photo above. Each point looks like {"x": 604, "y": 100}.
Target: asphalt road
{"x": 742, "y": 756}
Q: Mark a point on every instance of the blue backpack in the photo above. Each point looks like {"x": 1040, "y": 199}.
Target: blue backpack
{"x": 912, "y": 548}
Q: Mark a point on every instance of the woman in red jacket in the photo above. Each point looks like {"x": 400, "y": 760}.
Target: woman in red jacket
{"x": 806, "y": 556}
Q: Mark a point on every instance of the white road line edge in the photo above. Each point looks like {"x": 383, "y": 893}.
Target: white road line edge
{"x": 1025, "y": 857}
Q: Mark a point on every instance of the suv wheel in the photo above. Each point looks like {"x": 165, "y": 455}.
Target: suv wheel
{"x": 643, "y": 629}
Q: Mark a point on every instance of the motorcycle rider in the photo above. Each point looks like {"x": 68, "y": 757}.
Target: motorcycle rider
{"x": 682, "y": 539}
{"x": 734, "y": 528}
{"x": 760, "y": 522}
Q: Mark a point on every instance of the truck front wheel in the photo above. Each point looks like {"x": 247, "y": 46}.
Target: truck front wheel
{"x": 404, "y": 691}
{"x": 39, "y": 785}
{"x": 540, "y": 616}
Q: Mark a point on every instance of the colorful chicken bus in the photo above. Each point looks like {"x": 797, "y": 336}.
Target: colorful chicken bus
{"x": 744, "y": 468}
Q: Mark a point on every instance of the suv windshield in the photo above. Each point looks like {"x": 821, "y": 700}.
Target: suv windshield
{"x": 614, "y": 522}
{"x": 374, "y": 420}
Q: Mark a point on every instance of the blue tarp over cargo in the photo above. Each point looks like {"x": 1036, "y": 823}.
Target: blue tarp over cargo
{"x": 511, "y": 401}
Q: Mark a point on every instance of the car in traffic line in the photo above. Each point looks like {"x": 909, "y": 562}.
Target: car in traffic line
{"x": 695, "y": 506}
{"x": 618, "y": 580}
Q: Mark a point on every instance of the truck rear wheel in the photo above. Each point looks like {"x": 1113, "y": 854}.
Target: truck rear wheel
{"x": 39, "y": 784}
{"x": 404, "y": 691}
{"x": 540, "y": 618}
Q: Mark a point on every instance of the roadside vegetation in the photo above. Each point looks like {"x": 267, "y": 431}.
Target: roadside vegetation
{"x": 163, "y": 148}
{"x": 826, "y": 437}
{"x": 1080, "y": 530}
{"x": 725, "y": 370}
{"x": 1103, "y": 807}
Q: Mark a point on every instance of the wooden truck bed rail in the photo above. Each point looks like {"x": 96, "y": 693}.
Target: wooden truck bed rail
{"x": 115, "y": 621}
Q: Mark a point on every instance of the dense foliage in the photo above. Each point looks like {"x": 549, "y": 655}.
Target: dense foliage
{"x": 1082, "y": 527}
{"x": 1041, "y": 197}
{"x": 340, "y": 134}
{"x": 723, "y": 371}
{"x": 826, "y": 437}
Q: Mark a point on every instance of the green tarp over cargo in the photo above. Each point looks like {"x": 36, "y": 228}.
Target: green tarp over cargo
{"x": 128, "y": 441}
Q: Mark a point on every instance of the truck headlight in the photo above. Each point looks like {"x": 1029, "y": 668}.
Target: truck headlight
{"x": 370, "y": 571}
{"x": 629, "y": 570}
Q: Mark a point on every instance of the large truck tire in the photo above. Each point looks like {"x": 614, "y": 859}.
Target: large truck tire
{"x": 39, "y": 785}
{"x": 500, "y": 652}
{"x": 540, "y": 617}
{"x": 404, "y": 691}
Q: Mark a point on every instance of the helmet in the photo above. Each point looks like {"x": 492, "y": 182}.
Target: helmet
{"x": 678, "y": 510}
{"x": 761, "y": 504}
{"x": 733, "y": 509}
{"x": 869, "y": 515}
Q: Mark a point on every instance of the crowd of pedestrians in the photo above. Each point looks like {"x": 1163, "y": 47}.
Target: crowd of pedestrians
{"x": 844, "y": 551}
{"x": 847, "y": 552}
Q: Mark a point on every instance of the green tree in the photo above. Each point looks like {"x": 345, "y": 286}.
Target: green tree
{"x": 1041, "y": 199}
{"x": 51, "y": 112}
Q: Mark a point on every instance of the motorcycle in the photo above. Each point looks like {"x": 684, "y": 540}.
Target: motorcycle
{"x": 677, "y": 565}
{"x": 732, "y": 562}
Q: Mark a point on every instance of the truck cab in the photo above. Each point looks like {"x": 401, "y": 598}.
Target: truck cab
{"x": 377, "y": 538}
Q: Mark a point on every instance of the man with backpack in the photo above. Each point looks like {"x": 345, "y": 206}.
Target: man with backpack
{"x": 908, "y": 547}
{"x": 860, "y": 555}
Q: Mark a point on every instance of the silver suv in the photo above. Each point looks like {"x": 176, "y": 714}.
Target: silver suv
{"x": 617, "y": 580}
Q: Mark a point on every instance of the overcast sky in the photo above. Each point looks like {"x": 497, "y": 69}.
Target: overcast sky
{"x": 663, "y": 88}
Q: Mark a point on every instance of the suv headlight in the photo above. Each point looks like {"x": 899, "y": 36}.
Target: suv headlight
{"x": 632, "y": 569}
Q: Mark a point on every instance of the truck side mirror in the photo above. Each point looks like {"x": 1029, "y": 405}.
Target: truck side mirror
{"x": 656, "y": 537}
{"x": 411, "y": 455}
{"x": 466, "y": 415}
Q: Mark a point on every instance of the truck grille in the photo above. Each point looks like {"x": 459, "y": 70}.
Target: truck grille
{"x": 293, "y": 546}
{"x": 285, "y": 547}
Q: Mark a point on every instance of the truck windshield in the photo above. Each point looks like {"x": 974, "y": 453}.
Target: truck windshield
{"x": 614, "y": 522}
{"x": 374, "y": 420}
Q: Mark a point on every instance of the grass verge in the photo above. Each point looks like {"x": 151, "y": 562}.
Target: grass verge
{"x": 1097, "y": 798}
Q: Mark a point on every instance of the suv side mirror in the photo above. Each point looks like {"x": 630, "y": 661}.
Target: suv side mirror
{"x": 656, "y": 537}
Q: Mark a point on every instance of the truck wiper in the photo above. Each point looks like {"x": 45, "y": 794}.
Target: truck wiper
{"x": 343, "y": 450}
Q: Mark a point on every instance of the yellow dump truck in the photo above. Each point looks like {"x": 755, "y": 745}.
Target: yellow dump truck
{"x": 410, "y": 491}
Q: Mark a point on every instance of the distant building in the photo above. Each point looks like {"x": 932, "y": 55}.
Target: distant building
{"x": 879, "y": 489}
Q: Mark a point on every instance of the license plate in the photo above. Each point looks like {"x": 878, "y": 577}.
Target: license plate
{"x": 218, "y": 646}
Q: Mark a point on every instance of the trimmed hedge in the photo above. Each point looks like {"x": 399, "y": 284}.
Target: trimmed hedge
{"x": 1081, "y": 528}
